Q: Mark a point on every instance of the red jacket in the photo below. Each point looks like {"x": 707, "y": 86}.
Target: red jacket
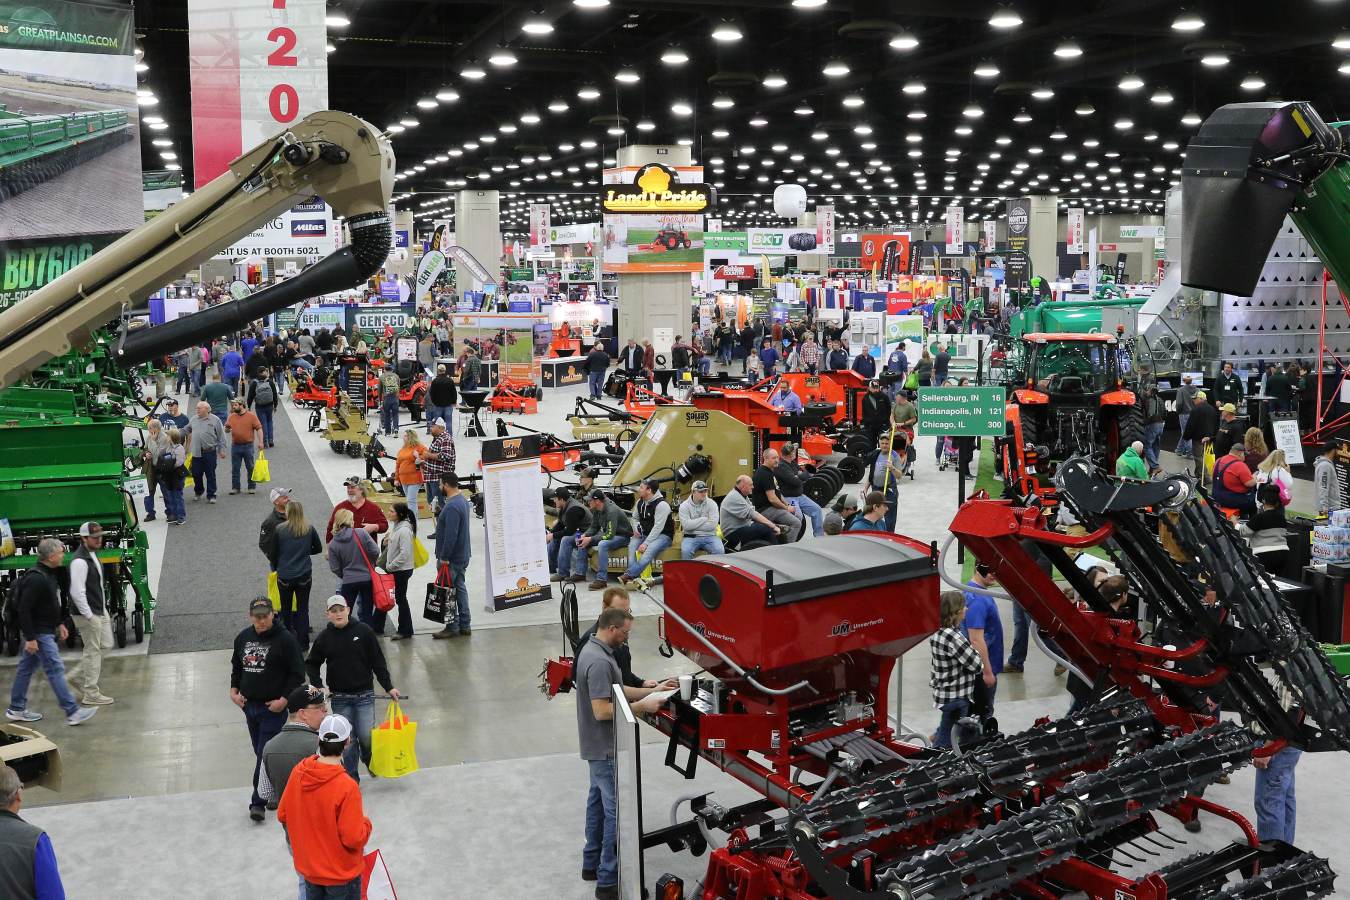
{"x": 327, "y": 828}
{"x": 368, "y": 514}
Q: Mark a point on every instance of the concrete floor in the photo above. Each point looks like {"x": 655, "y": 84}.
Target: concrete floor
{"x": 498, "y": 802}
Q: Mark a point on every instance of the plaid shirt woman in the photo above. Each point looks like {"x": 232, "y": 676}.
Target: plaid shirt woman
{"x": 956, "y": 666}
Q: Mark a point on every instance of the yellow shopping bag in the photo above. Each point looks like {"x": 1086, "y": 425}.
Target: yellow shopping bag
{"x": 1209, "y": 459}
{"x": 187, "y": 467}
{"x": 273, "y": 591}
{"x": 420, "y": 554}
{"x": 261, "y": 472}
{"x": 392, "y": 744}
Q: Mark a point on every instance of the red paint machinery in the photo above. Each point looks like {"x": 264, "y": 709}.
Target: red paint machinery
{"x": 799, "y": 642}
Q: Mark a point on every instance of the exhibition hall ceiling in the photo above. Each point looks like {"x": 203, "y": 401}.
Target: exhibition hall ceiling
{"x": 892, "y": 109}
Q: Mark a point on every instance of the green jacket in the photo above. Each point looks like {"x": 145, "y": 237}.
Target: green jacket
{"x": 1131, "y": 465}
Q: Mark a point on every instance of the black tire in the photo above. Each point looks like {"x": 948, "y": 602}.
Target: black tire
{"x": 671, "y": 242}
{"x": 138, "y": 626}
{"x": 354, "y": 450}
{"x": 853, "y": 468}
{"x": 338, "y": 446}
{"x": 1130, "y": 427}
{"x": 836, "y": 479}
{"x": 819, "y": 488}
{"x": 748, "y": 545}
{"x": 120, "y": 630}
{"x": 858, "y": 445}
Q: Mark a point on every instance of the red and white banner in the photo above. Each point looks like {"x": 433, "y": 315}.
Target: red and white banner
{"x": 990, "y": 234}
{"x": 541, "y": 242}
{"x": 734, "y": 273}
{"x": 257, "y": 67}
{"x": 825, "y": 228}
{"x": 956, "y": 229}
{"x": 1074, "y": 236}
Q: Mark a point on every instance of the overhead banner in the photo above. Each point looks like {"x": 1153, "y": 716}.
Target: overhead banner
{"x": 888, "y": 254}
{"x": 988, "y": 235}
{"x": 736, "y": 241}
{"x": 541, "y": 243}
{"x": 956, "y": 229}
{"x": 588, "y": 233}
{"x": 68, "y": 110}
{"x": 786, "y": 241}
{"x": 257, "y": 67}
{"x": 1074, "y": 237}
{"x": 1136, "y": 232}
{"x": 825, "y": 227}
{"x": 666, "y": 243}
{"x": 1019, "y": 242}
{"x": 655, "y": 188}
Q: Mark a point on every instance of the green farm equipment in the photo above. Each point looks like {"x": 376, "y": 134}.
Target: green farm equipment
{"x": 34, "y": 149}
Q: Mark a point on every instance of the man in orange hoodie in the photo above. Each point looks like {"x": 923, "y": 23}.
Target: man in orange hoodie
{"x": 321, "y": 811}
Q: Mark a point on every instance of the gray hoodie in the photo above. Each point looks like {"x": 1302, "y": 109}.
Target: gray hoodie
{"x": 344, "y": 558}
{"x": 398, "y": 548}
{"x": 1327, "y": 483}
{"x": 698, "y": 519}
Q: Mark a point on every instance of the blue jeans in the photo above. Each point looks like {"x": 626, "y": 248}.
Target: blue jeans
{"x": 173, "y": 503}
{"x": 48, "y": 656}
{"x": 601, "y": 852}
{"x": 204, "y": 474}
{"x": 563, "y": 552}
{"x": 182, "y": 379}
{"x": 1276, "y": 809}
{"x": 704, "y": 365}
{"x": 360, "y": 711}
{"x": 410, "y": 492}
{"x": 265, "y": 417}
{"x": 1152, "y": 442}
{"x": 459, "y": 572}
{"x": 1183, "y": 445}
{"x": 361, "y": 600}
{"x": 708, "y": 543}
{"x": 263, "y": 725}
{"x": 952, "y": 712}
{"x": 389, "y": 414}
{"x": 349, "y": 891}
{"x": 1017, "y": 654}
{"x": 596, "y": 382}
{"x": 241, "y": 454}
{"x": 655, "y": 546}
{"x": 602, "y": 549}
{"x": 812, "y": 511}
{"x": 441, "y": 412}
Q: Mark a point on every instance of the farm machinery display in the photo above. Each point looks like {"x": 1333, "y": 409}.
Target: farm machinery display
{"x": 797, "y": 646}
{"x": 34, "y": 149}
{"x": 68, "y": 353}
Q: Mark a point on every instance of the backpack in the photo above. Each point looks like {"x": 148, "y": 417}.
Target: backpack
{"x": 166, "y": 464}
{"x": 263, "y": 393}
{"x": 11, "y": 612}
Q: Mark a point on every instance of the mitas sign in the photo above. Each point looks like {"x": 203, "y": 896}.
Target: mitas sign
{"x": 656, "y": 189}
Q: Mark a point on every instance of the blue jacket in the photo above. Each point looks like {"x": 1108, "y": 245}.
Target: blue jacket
{"x": 788, "y": 403}
{"x": 231, "y": 364}
{"x": 897, "y": 362}
{"x": 865, "y": 365}
{"x": 452, "y": 531}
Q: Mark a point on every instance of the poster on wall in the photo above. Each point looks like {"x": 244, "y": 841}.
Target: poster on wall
{"x": 372, "y": 320}
{"x": 786, "y": 241}
{"x": 1019, "y": 242}
{"x": 956, "y": 227}
{"x": 68, "y": 95}
{"x": 887, "y": 253}
{"x": 256, "y": 68}
{"x": 541, "y": 243}
{"x": 667, "y": 242}
{"x": 1073, "y": 238}
{"x": 513, "y": 507}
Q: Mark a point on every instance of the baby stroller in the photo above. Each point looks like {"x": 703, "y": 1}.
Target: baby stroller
{"x": 903, "y": 444}
{"x": 949, "y": 454}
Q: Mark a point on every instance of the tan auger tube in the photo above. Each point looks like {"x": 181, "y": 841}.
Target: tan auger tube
{"x": 343, "y": 159}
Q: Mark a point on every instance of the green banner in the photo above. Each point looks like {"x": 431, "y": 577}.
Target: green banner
{"x": 67, "y": 26}
{"x": 726, "y": 240}
{"x": 969, "y": 411}
{"x": 520, "y": 274}
{"x": 26, "y": 266}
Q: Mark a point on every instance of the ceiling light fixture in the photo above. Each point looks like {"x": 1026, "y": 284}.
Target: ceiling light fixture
{"x": 447, "y": 95}
{"x": 681, "y": 108}
{"x": 1124, "y": 124}
{"x": 835, "y": 68}
{"x": 1004, "y": 17}
{"x": 808, "y": 4}
{"x": 904, "y": 41}
{"x": 336, "y": 20}
{"x": 627, "y": 76}
{"x": 1068, "y": 50}
{"x": 558, "y": 105}
{"x": 529, "y": 118}
{"x": 803, "y": 110}
{"x": 852, "y": 101}
{"x": 1161, "y": 97}
{"x": 1252, "y": 82}
{"x": 502, "y": 57}
{"x": 590, "y": 4}
{"x": 1022, "y": 117}
{"x": 986, "y": 69}
{"x": 1342, "y": 42}
{"x": 427, "y": 103}
{"x": 1130, "y": 82}
{"x": 1187, "y": 21}
{"x": 1043, "y": 92}
{"x": 536, "y": 24}
{"x": 916, "y": 115}
{"x": 972, "y": 111}
{"x": 1214, "y": 59}
{"x": 674, "y": 56}
{"x": 726, "y": 32}
{"x": 723, "y": 102}
{"x": 472, "y": 72}
{"x": 1084, "y": 109}
{"x": 914, "y": 88}
{"x": 588, "y": 92}
{"x": 775, "y": 80}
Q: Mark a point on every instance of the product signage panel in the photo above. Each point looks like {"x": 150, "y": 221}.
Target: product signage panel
{"x": 541, "y": 243}
{"x": 737, "y": 241}
{"x": 888, "y": 254}
{"x": 988, "y": 235}
{"x": 735, "y": 273}
{"x": 956, "y": 228}
{"x": 825, "y": 227}
{"x": 1075, "y": 237}
{"x": 1019, "y": 242}
{"x": 588, "y": 233}
{"x": 373, "y": 319}
{"x": 664, "y": 243}
{"x": 513, "y": 506}
{"x": 656, "y": 188}
{"x": 1136, "y": 232}
{"x": 257, "y": 67}
{"x": 786, "y": 241}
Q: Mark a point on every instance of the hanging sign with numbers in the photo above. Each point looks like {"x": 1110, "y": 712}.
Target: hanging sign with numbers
{"x": 257, "y": 67}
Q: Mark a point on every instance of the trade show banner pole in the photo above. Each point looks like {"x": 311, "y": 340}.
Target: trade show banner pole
{"x": 1074, "y": 238}
{"x": 257, "y": 67}
{"x": 1019, "y": 242}
{"x": 956, "y": 228}
{"x": 513, "y": 510}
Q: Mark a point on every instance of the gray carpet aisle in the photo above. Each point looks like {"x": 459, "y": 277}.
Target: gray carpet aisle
{"x": 212, "y": 566}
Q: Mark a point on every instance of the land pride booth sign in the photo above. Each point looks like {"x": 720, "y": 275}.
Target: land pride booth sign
{"x": 656, "y": 189}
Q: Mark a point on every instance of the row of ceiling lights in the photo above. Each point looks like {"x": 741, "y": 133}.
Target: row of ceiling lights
{"x": 147, "y": 100}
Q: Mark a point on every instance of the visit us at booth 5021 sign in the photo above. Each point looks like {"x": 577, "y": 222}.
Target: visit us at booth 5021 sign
{"x": 656, "y": 189}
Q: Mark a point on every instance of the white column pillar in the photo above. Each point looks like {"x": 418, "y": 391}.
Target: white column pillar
{"x": 1044, "y": 234}
{"x": 478, "y": 230}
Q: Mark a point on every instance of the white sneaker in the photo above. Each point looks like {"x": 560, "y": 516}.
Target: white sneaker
{"x": 22, "y": 715}
{"x": 97, "y": 699}
{"x": 81, "y": 715}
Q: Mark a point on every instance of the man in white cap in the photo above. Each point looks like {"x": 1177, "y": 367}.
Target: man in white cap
{"x": 279, "y": 496}
{"x": 325, "y": 822}
{"x": 438, "y": 460}
{"x": 699, "y": 517}
{"x": 88, "y": 597}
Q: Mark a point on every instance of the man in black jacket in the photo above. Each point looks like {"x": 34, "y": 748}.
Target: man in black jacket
{"x": 441, "y": 399}
{"x": 618, "y": 598}
{"x": 280, "y": 497}
{"x": 355, "y": 661}
{"x": 1228, "y": 387}
{"x": 265, "y": 667}
{"x": 876, "y": 411}
{"x": 1200, "y": 430}
{"x": 631, "y": 357}
{"x": 572, "y": 521}
{"x": 37, "y": 605}
{"x": 597, "y": 363}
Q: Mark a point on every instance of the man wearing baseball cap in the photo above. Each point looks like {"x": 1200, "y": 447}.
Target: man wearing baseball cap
{"x": 279, "y": 496}
{"x": 265, "y": 667}
{"x": 325, "y": 822}
{"x": 298, "y": 739}
{"x": 90, "y": 611}
{"x": 171, "y": 417}
{"x": 699, "y": 516}
{"x": 364, "y": 513}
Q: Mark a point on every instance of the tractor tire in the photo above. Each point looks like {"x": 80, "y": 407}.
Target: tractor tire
{"x": 836, "y": 478}
{"x": 858, "y": 445}
{"x": 338, "y": 446}
{"x": 853, "y": 468}
{"x": 1130, "y": 427}
{"x": 138, "y": 626}
{"x": 819, "y": 488}
{"x": 119, "y": 627}
{"x": 670, "y": 242}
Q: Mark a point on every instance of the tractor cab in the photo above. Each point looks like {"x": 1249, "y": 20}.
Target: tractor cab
{"x": 1073, "y": 367}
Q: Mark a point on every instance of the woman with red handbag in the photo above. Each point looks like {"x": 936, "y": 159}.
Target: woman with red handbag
{"x": 351, "y": 556}
{"x": 398, "y": 562}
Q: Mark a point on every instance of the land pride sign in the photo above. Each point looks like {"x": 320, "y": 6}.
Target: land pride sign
{"x": 966, "y": 411}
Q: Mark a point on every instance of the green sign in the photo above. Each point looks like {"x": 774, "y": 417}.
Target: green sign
{"x": 68, "y": 27}
{"x": 26, "y": 266}
{"x": 726, "y": 240}
{"x": 520, "y": 275}
{"x": 969, "y": 411}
